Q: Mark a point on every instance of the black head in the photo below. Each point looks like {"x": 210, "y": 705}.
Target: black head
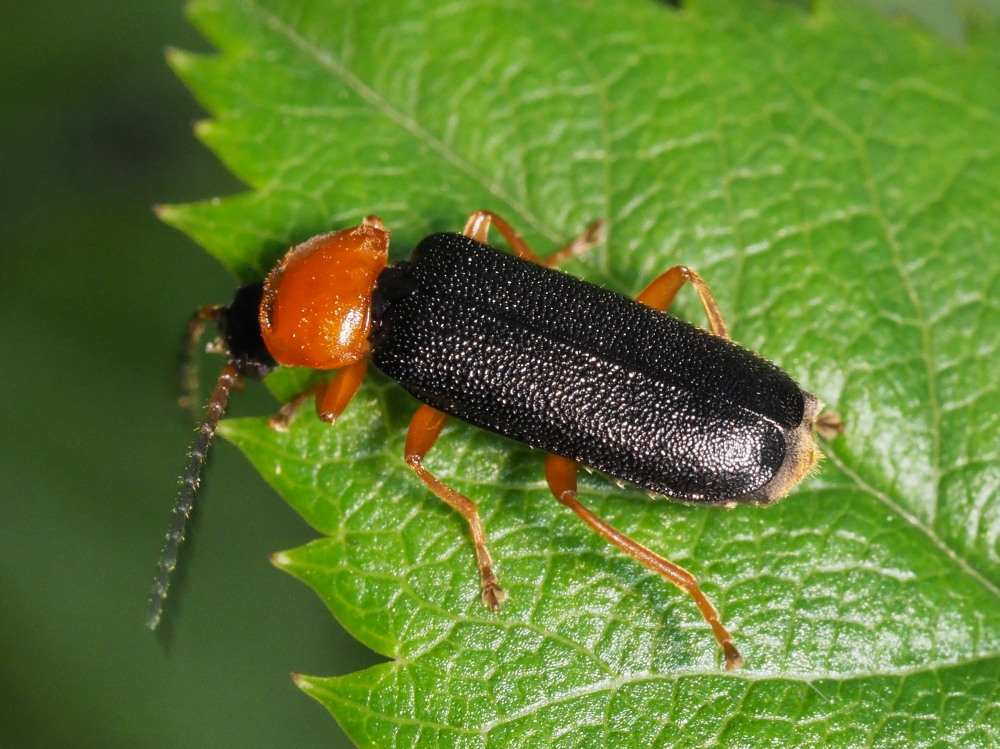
{"x": 239, "y": 323}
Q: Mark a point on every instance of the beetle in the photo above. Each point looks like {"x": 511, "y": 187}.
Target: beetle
{"x": 509, "y": 344}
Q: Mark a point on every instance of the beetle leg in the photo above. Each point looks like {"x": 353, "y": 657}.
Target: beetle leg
{"x": 332, "y": 396}
{"x": 424, "y": 430}
{"x": 661, "y": 292}
{"x": 478, "y": 227}
{"x": 560, "y": 473}
{"x": 280, "y": 421}
{"x": 340, "y": 390}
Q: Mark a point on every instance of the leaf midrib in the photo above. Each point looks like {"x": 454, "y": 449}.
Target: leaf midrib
{"x": 913, "y": 520}
{"x": 382, "y": 105}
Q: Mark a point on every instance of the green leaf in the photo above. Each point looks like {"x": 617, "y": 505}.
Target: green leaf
{"x": 834, "y": 177}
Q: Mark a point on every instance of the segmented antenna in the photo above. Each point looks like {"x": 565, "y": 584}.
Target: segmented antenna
{"x": 188, "y": 364}
{"x": 190, "y": 480}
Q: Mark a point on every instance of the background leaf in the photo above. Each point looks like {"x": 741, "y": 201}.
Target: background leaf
{"x": 831, "y": 175}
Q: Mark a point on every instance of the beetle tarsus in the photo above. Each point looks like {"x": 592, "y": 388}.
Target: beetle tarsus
{"x": 493, "y": 594}
{"x": 734, "y": 660}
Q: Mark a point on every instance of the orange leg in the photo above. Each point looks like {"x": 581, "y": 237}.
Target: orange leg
{"x": 340, "y": 391}
{"x": 424, "y": 430}
{"x": 661, "y": 292}
{"x": 478, "y": 227}
{"x": 331, "y": 397}
{"x": 560, "y": 473}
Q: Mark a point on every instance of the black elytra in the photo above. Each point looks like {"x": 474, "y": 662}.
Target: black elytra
{"x": 577, "y": 370}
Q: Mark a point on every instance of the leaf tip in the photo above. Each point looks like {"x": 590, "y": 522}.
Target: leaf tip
{"x": 205, "y": 129}
{"x": 281, "y": 560}
{"x": 306, "y": 683}
{"x": 179, "y": 60}
{"x": 168, "y": 214}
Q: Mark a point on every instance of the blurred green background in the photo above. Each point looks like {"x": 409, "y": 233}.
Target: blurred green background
{"x": 94, "y": 292}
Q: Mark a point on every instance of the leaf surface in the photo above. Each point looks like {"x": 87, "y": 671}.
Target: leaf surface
{"x": 833, "y": 176}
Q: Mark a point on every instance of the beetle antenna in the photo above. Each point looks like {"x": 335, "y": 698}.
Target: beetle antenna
{"x": 188, "y": 363}
{"x": 228, "y": 379}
